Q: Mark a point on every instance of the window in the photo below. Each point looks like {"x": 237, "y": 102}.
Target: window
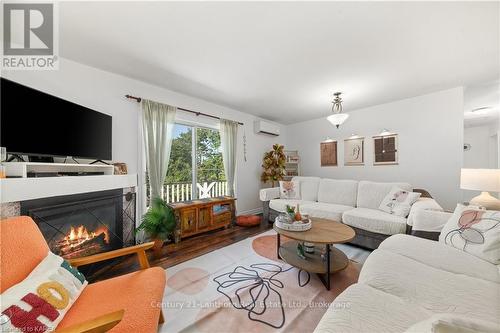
{"x": 208, "y": 156}
{"x": 195, "y": 168}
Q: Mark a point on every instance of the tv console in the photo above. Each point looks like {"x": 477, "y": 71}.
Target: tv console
{"x": 37, "y": 169}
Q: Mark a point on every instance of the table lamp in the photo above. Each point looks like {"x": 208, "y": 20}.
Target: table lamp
{"x": 483, "y": 180}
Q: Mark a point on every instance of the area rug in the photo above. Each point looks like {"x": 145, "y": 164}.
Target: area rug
{"x": 245, "y": 288}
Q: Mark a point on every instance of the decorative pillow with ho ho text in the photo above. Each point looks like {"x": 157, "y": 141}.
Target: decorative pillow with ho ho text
{"x": 40, "y": 301}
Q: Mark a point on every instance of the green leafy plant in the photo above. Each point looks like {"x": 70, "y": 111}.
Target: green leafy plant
{"x": 273, "y": 164}
{"x": 290, "y": 209}
{"x": 159, "y": 220}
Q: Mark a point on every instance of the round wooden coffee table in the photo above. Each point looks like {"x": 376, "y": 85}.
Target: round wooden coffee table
{"x": 324, "y": 232}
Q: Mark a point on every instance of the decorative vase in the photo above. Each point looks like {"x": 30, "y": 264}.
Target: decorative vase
{"x": 297, "y": 216}
{"x": 158, "y": 244}
{"x": 301, "y": 251}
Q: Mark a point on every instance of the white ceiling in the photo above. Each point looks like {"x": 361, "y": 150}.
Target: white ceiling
{"x": 283, "y": 60}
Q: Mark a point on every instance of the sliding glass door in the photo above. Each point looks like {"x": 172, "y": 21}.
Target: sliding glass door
{"x": 195, "y": 169}
{"x": 210, "y": 178}
{"x": 178, "y": 185}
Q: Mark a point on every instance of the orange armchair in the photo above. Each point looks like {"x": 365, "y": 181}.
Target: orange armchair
{"x": 128, "y": 303}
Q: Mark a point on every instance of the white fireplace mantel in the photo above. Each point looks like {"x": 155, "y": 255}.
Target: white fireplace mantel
{"x": 21, "y": 189}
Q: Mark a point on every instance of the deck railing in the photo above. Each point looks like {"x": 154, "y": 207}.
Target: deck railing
{"x": 174, "y": 192}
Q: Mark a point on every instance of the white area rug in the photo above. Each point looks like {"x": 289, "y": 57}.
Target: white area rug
{"x": 251, "y": 292}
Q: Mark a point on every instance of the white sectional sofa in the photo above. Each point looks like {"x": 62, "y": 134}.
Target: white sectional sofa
{"x": 409, "y": 281}
{"x": 352, "y": 202}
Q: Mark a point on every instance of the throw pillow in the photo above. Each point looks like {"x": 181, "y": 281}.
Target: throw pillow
{"x": 289, "y": 190}
{"x": 40, "y": 301}
{"x": 398, "y": 202}
{"x": 475, "y": 231}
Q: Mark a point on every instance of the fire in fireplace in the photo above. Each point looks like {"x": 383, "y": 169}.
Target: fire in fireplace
{"x": 79, "y": 241}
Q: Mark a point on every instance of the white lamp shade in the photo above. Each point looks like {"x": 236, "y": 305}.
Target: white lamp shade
{"x": 338, "y": 119}
{"x": 486, "y": 180}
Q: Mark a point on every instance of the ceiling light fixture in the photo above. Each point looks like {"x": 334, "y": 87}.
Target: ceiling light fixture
{"x": 337, "y": 118}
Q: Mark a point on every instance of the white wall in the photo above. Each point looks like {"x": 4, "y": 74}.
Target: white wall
{"x": 484, "y": 153}
{"x": 430, "y": 133}
{"x": 478, "y": 157}
{"x": 493, "y": 144}
{"x": 104, "y": 92}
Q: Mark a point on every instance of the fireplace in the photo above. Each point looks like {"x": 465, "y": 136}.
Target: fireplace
{"x": 85, "y": 224}
{"x": 79, "y": 241}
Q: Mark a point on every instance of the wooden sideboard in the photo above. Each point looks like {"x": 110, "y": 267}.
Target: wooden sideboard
{"x": 201, "y": 215}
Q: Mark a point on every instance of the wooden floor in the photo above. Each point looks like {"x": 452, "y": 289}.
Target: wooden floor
{"x": 173, "y": 254}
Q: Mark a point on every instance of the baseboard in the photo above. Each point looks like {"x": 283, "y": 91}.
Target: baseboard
{"x": 254, "y": 211}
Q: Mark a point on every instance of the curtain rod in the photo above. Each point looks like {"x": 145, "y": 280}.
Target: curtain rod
{"x": 139, "y": 99}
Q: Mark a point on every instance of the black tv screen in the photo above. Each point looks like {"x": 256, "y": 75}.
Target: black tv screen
{"x": 36, "y": 123}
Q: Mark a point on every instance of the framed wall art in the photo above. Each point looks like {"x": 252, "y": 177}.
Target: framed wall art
{"x": 354, "y": 151}
{"x": 385, "y": 149}
{"x": 120, "y": 168}
{"x": 328, "y": 153}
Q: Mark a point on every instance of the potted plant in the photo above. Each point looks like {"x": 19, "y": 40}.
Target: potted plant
{"x": 273, "y": 164}
{"x": 158, "y": 223}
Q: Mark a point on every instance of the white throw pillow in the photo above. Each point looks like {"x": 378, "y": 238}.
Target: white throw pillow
{"x": 48, "y": 291}
{"x": 398, "y": 202}
{"x": 475, "y": 231}
{"x": 290, "y": 190}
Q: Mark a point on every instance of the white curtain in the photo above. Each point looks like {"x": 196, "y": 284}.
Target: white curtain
{"x": 158, "y": 124}
{"x": 229, "y": 138}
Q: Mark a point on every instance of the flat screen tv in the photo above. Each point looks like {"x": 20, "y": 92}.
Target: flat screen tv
{"x": 38, "y": 124}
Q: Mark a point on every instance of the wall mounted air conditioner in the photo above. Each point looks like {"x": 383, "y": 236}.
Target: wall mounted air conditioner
{"x": 264, "y": 127}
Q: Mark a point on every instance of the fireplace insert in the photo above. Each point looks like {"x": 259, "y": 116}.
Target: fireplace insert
{"x": 85, "y": 224}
